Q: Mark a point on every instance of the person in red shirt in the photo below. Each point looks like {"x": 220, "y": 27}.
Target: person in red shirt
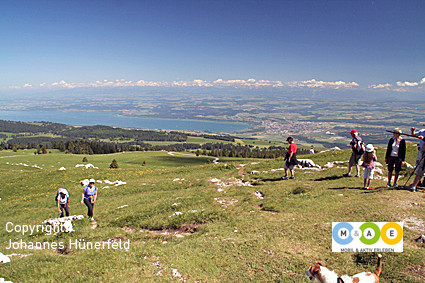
{"x": 290, "y": 159}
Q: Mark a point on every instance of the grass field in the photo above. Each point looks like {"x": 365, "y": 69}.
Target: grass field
{"x": 223, "y": 234}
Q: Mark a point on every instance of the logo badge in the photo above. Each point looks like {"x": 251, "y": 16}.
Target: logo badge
{"x": 367, "y": 237}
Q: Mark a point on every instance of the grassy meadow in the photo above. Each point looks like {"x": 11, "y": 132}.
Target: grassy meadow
{"x": 184, "y": 226}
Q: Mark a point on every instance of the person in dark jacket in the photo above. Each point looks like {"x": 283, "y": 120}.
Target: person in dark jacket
{"x": 395, "y": 155}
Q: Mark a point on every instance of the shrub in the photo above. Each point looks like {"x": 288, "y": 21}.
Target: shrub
{"x": 299, "y": 190}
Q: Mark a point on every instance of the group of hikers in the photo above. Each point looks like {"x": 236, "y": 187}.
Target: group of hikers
{"x": 88, "y": 197}
{"x": 362, "y": 155}
{"x": 365, "y": 156}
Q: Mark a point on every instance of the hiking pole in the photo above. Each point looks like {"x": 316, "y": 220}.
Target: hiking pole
{"x": 413, "y": 136}
{"x": 414, "y": 169}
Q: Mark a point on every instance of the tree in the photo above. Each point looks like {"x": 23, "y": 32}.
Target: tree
{"x": 114, "y": 164}
{"x": 62, "y": 146}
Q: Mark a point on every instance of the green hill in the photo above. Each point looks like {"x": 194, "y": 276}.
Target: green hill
{"x": 188, "y": 219}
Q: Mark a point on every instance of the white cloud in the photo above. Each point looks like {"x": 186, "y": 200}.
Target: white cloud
{"x": 407, "y": 83}
{"x": 411, "y": 84}
{"x": 380, "y": 86}
{"x": 313, "y": 83}
{"x": 250, "y": 83}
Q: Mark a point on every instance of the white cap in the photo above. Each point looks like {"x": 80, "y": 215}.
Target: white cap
{"x": 369, "y": 148}
{"x": 92, "y": 181}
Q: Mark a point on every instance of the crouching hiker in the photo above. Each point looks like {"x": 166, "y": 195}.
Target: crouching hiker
{"x": 290, "y": 159}
{"x": 369, "y": 158}
{"x": 89, "y": 197}
{"x": 62, "y": 201}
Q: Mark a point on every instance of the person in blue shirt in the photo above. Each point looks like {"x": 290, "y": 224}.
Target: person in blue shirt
{"x": 89, "y": 197}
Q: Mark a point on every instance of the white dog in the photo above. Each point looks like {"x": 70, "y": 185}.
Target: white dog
{"x": 319, "y": 273}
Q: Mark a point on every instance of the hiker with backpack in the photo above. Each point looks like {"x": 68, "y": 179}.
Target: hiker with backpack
{"x": 62, "y": 201}
{"x": 395, "y": 156}
{"x": 290, "y": 159}
{"x": 358, "y": 148}
{"x": 369, "y": 158}
{"x": 420, "y": 135}
{"x": 420, "y": 159}
{"x": 89, "y": 197}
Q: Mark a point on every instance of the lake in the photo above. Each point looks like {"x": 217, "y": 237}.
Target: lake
{"x": 77, "y": 118}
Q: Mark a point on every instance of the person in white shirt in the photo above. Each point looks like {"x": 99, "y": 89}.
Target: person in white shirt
{"x": 63, "y": 202}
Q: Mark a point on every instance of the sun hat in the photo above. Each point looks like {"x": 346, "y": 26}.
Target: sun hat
{"x": 353, "y": 131}
{"x": 369, "y": 148}
{"x": 397, "y": 131}
{"x": 63, "y": 191}
{"x": 92, "y": 181}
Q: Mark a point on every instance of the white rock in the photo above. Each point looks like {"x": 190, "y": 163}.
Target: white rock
{"x": 4, "y": 258}
{"x": 175, "y": 273}
{"x": 87, "y": 166}
{"x": 62, "y": 168}
{"x": 57, "y": 221}
{"x": 176, "y": 214}
{"x": 307, "y": 163}
{"x": 259, "y": 194}
{"x": 409, "y": 165}
{"x": 122, "y": 206}
{"x": 67, "y": 227}
{"x": 119, "y": 183}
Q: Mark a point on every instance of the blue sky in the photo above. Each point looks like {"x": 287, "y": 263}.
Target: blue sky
{"x": 76, "y": 43}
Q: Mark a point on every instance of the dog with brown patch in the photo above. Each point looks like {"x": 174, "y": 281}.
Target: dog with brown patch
{"x": 319, "y": 273}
